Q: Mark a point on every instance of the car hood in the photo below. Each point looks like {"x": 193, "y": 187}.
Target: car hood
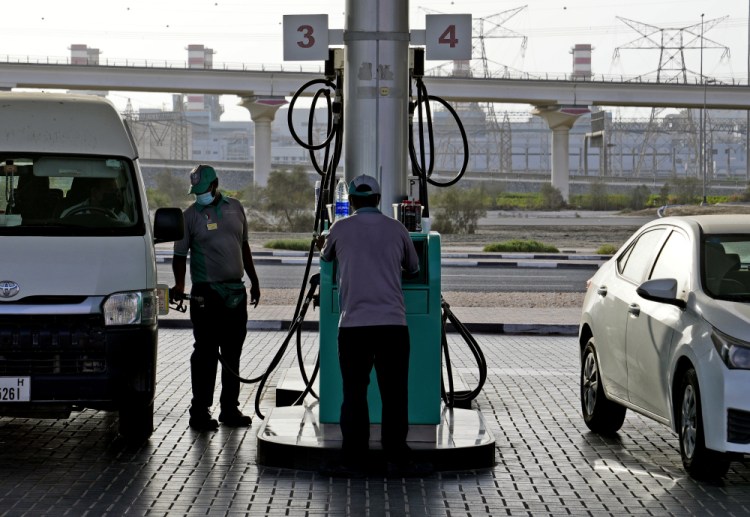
{"x": 79, "y": 266}
{"x": 732, "y": 318}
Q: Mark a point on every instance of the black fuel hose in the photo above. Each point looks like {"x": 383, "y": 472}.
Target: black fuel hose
{"x": 294, "y": 328}
{"x": 332, "y": 146}
{"x": 450, "y": 396}
{"x": 422, "y": 165}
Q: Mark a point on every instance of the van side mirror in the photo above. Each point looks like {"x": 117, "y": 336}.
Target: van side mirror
{"x": 168, "y": 225}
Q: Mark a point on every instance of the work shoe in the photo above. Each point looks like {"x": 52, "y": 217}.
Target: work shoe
{"x": 234, "y": 418}
{"x": 201, "y": 421}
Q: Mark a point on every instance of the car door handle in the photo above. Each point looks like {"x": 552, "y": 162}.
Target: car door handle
{"x": 634, "y": 309}
{"x": 602, "y": 291}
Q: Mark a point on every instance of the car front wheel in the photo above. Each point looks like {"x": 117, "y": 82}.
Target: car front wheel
{"x": 600, "y": 414}
{"x": 699, "y": 461}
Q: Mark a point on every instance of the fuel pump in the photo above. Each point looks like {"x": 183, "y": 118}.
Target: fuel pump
{"x": 378, "y": 92}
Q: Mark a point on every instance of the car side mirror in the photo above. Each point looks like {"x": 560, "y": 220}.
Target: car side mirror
{"x": 168, "y": 225}
{"x": 662, "y": 290}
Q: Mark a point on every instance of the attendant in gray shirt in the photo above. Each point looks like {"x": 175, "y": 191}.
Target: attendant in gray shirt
{"x": 371, "y": 249}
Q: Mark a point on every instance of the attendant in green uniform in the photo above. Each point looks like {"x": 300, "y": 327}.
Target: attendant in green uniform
{"x": 216, "y": 237}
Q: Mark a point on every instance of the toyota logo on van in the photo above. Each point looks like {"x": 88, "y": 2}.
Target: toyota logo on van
{"x": 8, "y": 288}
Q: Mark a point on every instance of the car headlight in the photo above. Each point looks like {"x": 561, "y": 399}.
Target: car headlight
{"x": 132, "y": 308}
{"x": 734, "y": 352}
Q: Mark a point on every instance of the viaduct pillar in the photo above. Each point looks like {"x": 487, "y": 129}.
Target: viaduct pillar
{"x": 262, "y": 112}
{"x": 560, "y": 119}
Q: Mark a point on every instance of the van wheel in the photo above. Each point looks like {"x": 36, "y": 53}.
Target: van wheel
{"x": 137, "y": 421}
{"x": 600, "y": 414}
{"x": 699, "y": 461}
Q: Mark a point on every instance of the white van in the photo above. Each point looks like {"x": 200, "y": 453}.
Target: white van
{"x": 78, "y": 293}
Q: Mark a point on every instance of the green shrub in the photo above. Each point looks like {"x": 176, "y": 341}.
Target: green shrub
{"x": 458, "y": 210}
{"x": 606, "y": 249}
{"x": 687, "y": 190}
{"x": 288, "y": 244}
{"x": 639, "y": 197}
{"x": 551, "y": 197}
{"x": 517, "y": 201}
{"x": 517, "y": 245}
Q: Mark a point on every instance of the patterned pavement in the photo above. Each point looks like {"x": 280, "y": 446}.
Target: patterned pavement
{"x": 547, "y": 463}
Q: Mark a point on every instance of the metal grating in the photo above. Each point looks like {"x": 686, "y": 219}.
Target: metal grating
{"x": 51, "y": 345}
{"x": 738, "y": 426}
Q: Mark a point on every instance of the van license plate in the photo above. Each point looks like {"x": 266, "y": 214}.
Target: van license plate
{"x": 15, "y": 389}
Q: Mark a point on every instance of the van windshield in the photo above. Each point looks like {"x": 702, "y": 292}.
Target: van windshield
{"x": 68, "y": 195}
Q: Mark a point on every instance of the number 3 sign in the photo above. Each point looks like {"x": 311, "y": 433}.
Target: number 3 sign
{"x": 305, "y": 37}
{"x": 448, "y": 37}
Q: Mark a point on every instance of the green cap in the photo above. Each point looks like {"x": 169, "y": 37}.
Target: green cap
{"x": 201, "y": 178}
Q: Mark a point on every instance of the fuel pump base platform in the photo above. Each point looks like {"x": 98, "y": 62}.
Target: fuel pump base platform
{"x": 293, "y": 437}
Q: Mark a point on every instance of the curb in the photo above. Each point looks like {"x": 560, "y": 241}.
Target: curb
{"x": 447, "y": 260}
{"x": 474, "y": 328}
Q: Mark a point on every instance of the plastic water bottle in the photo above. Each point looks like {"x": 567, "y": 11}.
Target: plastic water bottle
{"x": 317, "y": 196}
{"x": 342, "y": 200}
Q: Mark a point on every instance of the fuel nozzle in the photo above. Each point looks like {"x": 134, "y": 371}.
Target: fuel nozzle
{"x": 417, "y": 70}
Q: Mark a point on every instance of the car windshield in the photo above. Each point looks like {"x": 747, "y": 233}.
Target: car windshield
{"x": 68, "y": 195}
{"x": 726, "y": 266}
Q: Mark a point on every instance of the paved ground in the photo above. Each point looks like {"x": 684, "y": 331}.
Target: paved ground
{"x": 547, "y": 463}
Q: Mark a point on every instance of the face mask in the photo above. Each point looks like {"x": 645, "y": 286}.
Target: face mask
{"x": 204, "y": 199}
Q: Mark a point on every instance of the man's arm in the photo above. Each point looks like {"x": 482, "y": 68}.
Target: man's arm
{"x": 179, "y": 267}
{"x": 247, "y": 263}
{"x": 410, "y": 264}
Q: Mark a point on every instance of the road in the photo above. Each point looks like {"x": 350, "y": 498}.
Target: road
{"x": 470, "y": 279}
{"x": 561, "y": 218}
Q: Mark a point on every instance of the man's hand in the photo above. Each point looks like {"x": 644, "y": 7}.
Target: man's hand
{"x": 177, "y": 292}
{"x": 254, "y": 294}
{"x": 320, "y": 241}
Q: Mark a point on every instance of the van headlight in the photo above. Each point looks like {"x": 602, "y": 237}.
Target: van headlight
{"x": 131, "y": 308}
{"x": 734, "y": 352}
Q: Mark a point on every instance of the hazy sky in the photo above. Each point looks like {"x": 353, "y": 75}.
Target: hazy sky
{"x": 250, "y": 31}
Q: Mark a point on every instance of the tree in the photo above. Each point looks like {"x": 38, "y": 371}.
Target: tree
{"x": 459, "y": 210}
{"x": 169, "y": 191}
{"x": 664, "y": 194}
{"x": 598, "y": 195}
{"x": 639, "y": 197}
{"x": 289, "y": 198}
{"x": 687, "y": 189}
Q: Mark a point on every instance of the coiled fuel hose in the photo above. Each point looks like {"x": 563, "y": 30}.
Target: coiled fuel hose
{"x": 422, "y": 155}
{"x": 331, "y": 146}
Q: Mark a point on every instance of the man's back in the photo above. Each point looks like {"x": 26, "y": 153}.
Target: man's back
{"x": 371, "y": 250}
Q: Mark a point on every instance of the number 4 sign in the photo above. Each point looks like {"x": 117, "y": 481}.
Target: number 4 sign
{"x": 305, "y": 37}
{"x": 448, "y": 37}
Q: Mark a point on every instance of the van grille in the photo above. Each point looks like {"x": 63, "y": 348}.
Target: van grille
{"x": 52, "y": 345}
{"x": 738, "y": 426}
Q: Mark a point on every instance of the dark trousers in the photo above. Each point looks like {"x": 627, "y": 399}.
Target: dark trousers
{"x": 387, "y": 348}
{"x": 215, "y": 328}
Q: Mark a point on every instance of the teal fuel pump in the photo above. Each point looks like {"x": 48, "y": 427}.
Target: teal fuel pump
{"x": 422, "y": 300}
{"x": 383, "y": 109}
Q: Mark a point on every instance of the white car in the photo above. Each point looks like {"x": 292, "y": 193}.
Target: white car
{"x": 665, "y": 331}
